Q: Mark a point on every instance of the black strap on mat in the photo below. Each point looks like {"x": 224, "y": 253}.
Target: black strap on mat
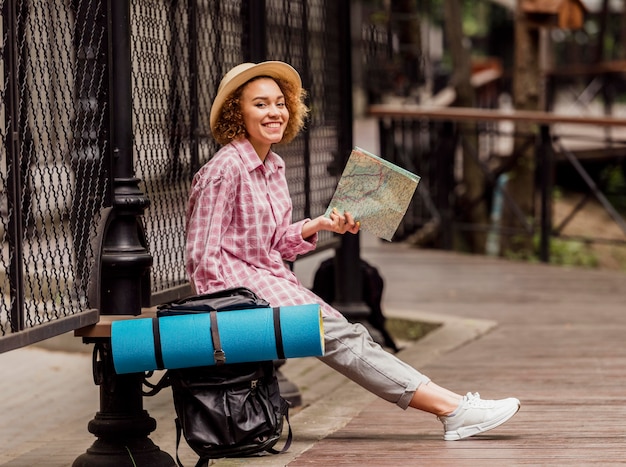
{"x": 218, "y": 353}
{"x": 278, "y": 334}
{"x": 158, "y": 352}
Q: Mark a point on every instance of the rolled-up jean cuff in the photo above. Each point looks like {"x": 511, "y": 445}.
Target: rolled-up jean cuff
{"x": 406, "y": 398}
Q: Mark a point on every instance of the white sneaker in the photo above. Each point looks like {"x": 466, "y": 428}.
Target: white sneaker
{"x": 475, "y": 415}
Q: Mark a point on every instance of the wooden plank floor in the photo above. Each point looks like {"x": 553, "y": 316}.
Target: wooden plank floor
{"x": 560, "y": 347}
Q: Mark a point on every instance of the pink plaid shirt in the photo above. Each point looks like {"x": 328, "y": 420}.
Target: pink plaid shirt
{"x": 239, "y": 229}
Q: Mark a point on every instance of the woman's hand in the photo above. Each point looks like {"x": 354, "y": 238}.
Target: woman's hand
{"x": 342, "y": 223}
{"x": 338, "y": 223}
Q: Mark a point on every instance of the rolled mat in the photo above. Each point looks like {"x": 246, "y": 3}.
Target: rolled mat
{"x": 247, "y": 335}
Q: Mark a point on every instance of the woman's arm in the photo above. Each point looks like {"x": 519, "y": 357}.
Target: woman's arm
{"x": 338, "y": 223}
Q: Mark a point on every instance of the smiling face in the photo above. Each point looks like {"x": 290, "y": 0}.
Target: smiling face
{"x": 265, "y": 114}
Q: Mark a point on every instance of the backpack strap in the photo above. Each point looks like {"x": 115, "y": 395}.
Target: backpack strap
{"x": 179, "y": 432}
{"x": 218, "y": 353}
{"x": 287, "y": 441}
{"x": 155, "y": 388}
{"x": 201, "y": 462}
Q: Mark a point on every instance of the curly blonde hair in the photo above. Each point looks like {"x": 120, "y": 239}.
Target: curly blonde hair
{"x": 230, "y": 124}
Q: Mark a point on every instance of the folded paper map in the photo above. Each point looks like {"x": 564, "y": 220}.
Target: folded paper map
{"x": 376, "y": 192}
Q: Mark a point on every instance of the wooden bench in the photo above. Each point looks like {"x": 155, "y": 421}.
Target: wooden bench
{"x": 103, "y": 327}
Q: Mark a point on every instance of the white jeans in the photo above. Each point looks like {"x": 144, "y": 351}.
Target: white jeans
{"x": 351, "y": 351}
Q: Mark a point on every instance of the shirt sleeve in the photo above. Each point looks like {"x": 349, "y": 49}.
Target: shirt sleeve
{"x": 209, "y": 214}
{"x": 291, "y": 244}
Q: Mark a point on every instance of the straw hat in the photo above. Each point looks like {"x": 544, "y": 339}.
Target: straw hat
{"x": 243, "y": 73}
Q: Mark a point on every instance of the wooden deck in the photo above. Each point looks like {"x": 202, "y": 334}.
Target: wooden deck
{"x": 559, "y": 346}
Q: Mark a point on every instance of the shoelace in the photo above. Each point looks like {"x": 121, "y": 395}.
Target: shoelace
{"x": 474, "y": 400}
{"x": 470, "y": 400}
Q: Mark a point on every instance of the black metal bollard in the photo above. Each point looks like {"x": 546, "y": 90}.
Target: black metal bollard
{"x": 121, "y": 426}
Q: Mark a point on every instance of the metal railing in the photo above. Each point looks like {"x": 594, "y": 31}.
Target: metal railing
{"x": 425, "y": 140}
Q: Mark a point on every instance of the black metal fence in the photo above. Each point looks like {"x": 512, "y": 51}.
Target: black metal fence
{"x": 53, "y": 173}
{"x": 62, "y": 118}
{"x": 180, "y": 52}
{"x": 430, "y": 142}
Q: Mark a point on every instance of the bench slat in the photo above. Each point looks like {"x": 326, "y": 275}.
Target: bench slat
{"x": 103, "y": 327}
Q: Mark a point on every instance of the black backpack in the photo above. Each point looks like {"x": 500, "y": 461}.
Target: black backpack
{"x": 372, "y": 288}
{"x": 225, "y": 410}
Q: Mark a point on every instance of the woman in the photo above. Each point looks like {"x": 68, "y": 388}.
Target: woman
{"x": 240, "y": 233}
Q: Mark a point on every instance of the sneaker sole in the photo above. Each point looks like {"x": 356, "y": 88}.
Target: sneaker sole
{"x": 472, "y": 430}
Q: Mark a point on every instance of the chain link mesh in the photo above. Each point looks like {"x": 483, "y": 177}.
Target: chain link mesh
{"x": 168, "y": 100}
{"x": 52, "y": 173}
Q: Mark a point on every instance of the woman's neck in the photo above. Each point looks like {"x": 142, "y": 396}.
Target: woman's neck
{"x": 261, "y": 150}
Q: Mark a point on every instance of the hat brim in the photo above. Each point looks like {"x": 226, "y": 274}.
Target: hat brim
{"x": 243, "y": 73}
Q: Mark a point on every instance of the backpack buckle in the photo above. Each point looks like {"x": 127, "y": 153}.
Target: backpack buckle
{"x": 219, "y": 356}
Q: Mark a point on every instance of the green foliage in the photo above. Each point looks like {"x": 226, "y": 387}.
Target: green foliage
{"x": 572, "y": 253}
{"x": 562, "y": 253}
{"x": 475, "y": 18}
{"x": 615, "y": 180}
